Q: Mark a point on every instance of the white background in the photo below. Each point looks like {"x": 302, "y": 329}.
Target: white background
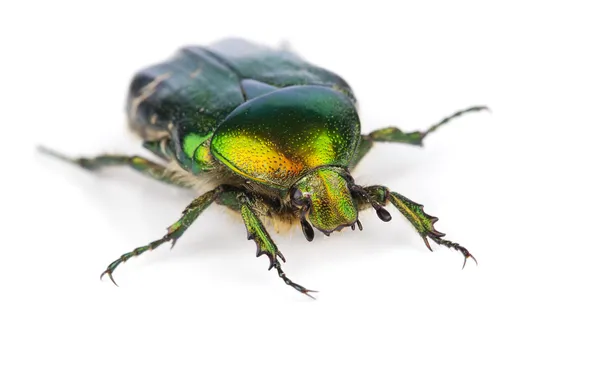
{"x": 518, "y": 187}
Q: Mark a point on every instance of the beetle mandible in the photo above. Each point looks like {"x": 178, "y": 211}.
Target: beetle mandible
{"x": 271, "y": 135}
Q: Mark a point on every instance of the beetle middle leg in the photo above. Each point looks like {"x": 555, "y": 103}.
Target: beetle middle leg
{"x": 395, "y": 134}
{"x": 144, "y": 166}
{"x": 174, "y": 232}
{"x": 378, "y": 195}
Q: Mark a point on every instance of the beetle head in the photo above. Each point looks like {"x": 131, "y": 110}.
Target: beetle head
{"x": 325, "y": 198}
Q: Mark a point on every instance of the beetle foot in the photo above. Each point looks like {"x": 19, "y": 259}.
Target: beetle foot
{"x": 455, "y": 246}
{"x": 289, "y": 282}
{"x": 109, "y": 273}
{"x": 140, "y": 250}
{"x": 444, "y": 121}
{"x": 111, "y": 268}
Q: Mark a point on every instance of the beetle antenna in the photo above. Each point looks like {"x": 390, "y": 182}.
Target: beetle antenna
{"x": 307, "y": 230}
{"x": 382, "y": 213}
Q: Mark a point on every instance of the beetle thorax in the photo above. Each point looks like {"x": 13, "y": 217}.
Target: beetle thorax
{"x": 279, "y": 137}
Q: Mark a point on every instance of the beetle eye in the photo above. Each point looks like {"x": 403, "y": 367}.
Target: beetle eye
{"x": 297, "y": 197}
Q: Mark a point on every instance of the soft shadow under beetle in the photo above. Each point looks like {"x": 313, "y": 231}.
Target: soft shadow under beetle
{"x": 266, "y": 134}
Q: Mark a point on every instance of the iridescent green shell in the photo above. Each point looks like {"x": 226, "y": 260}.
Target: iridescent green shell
{"x": 187, "y": 97}
{"x": 280, "y": 136}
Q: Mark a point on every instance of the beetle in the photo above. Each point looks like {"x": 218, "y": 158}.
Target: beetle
{"x": 266, "y": 134}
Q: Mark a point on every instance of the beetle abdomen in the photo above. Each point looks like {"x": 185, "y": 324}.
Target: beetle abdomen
{"x": 186, "y": 92}
{"x": 280, "y": 68}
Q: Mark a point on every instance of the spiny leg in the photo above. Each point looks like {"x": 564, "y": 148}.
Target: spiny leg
{"x": 395, "y": 134}
{"x": 174, "y": 232}
{"x": 422, "y": 222}
{"x": 140, "y": 164}
{"x": 264, "y": 243}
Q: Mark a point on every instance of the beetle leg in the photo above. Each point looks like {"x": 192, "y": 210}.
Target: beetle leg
{"x": 421, "y": 221}
{"x": 174, "y": 232}
{"x": 264, "y": 243}
{"x": 159, "y": 147}
{"x": 140, "y": 164}
{"x": 395, "y": 134}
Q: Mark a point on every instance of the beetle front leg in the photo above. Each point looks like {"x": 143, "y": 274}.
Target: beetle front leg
{"x": 422, "y": 222}
{"x": 395, "y": 134}
{"x": 174, "y": 232}
{"x": 264, "y": 243}
{"x": 140, "y": 164}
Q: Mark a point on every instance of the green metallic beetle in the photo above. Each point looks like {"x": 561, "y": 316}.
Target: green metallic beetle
{"x": 266, "y": 134}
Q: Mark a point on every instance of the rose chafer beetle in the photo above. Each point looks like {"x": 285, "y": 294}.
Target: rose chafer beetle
{"x": 266, "y": 134}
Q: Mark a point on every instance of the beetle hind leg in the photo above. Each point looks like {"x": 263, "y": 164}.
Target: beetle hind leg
{"x": 395, "y": 134}
{"x": 144, "y": 166}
